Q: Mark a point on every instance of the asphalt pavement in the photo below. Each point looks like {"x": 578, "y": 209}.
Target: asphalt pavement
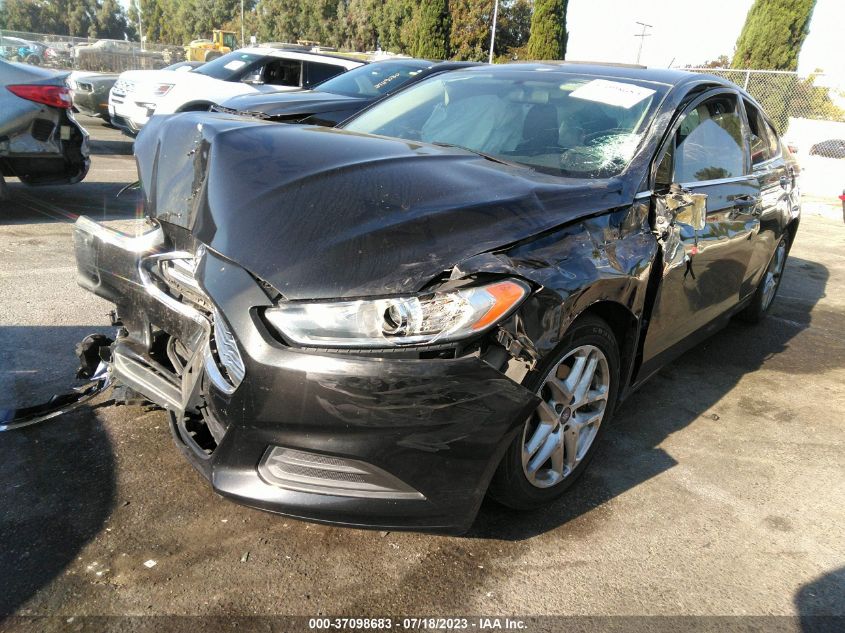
{"x": 719, "y": 490}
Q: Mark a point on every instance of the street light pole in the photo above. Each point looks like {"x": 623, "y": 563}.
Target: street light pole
{"x": 493, "y": 30}
{"x": 242, "y": 24}
{"x": 642, "y": 37}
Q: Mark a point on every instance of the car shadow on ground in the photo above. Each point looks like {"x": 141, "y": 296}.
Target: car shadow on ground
{"x": 820, "y": 604}
{"x": 58, "y": 476}
{"x": 63, "y": 203}
{"x": 684, "y": 392}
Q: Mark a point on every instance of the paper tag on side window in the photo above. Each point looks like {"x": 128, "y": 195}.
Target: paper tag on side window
{"x": 613, "y": 93}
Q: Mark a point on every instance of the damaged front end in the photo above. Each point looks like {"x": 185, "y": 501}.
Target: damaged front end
{"x": 392, "y": 439}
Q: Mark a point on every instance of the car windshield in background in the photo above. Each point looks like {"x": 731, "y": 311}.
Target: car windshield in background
{"x": 373, "y": 80}
{"x": 572, "y": 125}
{"x": 228, "y": 66}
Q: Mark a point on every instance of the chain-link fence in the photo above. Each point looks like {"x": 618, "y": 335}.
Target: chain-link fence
{"x": 77, "y": 53}
{"x": 785, "y": 95}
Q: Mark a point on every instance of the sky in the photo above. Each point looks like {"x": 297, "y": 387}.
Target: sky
{"x": 689, "y": 32}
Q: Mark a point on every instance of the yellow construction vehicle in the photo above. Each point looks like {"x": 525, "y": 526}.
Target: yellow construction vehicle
{"x": 221, "y": 42}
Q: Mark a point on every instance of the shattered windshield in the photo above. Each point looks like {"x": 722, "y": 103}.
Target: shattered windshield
{"x": 572, "y": 125}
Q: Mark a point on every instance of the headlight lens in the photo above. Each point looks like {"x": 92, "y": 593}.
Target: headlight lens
{"x": 424, "y": 320}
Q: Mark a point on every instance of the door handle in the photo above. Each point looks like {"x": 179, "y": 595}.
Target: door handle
{"x": 746, "y": 201}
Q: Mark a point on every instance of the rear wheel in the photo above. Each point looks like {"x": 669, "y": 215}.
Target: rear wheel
{"x": 212, "y": 55}
{"x": 577, "y": 390}
{"x": 768, "y": 288}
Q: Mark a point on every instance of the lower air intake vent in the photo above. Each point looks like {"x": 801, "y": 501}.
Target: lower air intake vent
{"x": 311, "y": 472}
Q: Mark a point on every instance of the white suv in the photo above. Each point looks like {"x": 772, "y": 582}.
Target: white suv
{"x": 139, "y": 94}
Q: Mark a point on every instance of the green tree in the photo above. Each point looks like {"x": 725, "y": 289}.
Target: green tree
{"x": 110, "y": 21}
{"x": 362, "y": 24}
{"x": 394, "y": 25}
{"x": 470, "y": 33}
{"x": 773, "y": 34}
{"x": 431, "y": 24}
{"x": 548, "y": 30}
{"x": 513, "y": 29}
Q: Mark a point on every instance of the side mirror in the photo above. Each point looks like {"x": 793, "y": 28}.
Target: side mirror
{"x": 687, "y": 207}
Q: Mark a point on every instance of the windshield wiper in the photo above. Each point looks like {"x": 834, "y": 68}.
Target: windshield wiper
{"x": 489, "y": 157}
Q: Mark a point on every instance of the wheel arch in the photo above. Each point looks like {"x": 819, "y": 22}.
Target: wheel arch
{"x": 625, "y": 327}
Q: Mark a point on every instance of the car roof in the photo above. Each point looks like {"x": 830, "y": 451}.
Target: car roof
{"x": 287, "y": 53}
{"x": 667, "y": 76}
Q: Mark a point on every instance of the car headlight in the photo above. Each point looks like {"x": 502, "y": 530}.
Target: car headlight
{"x": 159, "y": 90}
{"x": 438, "y": 317}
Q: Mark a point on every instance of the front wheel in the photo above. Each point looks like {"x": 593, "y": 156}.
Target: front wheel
{"x": 769, "y": 284}
{"x": 577, "y": 391}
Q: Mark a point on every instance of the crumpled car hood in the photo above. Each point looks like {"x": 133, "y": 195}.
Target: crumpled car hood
{"x": 324, "y": 213}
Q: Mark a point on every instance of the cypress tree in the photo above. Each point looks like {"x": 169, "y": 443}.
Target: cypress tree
{"x": 548, "y": 30}
{"x": 773, "y": 34}
{"x": 431, "y": 30}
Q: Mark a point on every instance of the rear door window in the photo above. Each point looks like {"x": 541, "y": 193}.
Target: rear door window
{"x": 761, "y": 145}
{"x": 282, "y": 72}
{"x": 318, "y": 73}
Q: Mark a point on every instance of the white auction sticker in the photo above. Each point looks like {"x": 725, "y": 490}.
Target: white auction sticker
{"x": 613, "y": 93}
{"x": 235, "y": 65}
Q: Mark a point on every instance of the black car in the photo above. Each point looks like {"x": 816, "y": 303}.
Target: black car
{"x": 90, "y": 93}
{"x": 448, "y": 296}
{"x": 832, "y": 148}
{"x": 338, "y": 98}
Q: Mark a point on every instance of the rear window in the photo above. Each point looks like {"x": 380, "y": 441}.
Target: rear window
{"x": 373, "y": 80}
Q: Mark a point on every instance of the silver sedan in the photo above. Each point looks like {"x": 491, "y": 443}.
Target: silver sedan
{"x": 40, "y": 141}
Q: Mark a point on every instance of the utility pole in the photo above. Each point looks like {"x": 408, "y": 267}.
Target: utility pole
{"x": 493, "y": 30}
{"x": 242, "y": 24}
{"x": 140, "y": 26}
{"x": 642, "y": 37}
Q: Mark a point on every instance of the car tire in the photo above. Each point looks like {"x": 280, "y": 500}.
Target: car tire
{"x": 767, "y": 289}
{"x": 522, "y": 481}
{"x": 212, "y": 55}
{"x": 35, "y": 60}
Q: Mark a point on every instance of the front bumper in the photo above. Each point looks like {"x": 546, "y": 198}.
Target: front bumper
{"x": 126, "y": 114}
{"x": 438, "y": 426}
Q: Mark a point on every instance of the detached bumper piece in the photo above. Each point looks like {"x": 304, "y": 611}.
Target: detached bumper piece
{"x": 342, "y": 439}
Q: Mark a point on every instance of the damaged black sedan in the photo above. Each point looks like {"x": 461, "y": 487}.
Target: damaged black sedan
{"x": 378, "y": 325}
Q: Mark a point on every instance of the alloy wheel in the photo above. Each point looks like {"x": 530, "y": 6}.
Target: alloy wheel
{"x": 561, "y": 430}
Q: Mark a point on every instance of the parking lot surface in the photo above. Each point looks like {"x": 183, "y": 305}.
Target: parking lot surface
{"x": 718, "y": 489}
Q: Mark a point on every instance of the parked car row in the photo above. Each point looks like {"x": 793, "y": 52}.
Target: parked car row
{"x": 441, "y": 293}
{"x": 138, "y": 95}
{"x": 16, "y": 49}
